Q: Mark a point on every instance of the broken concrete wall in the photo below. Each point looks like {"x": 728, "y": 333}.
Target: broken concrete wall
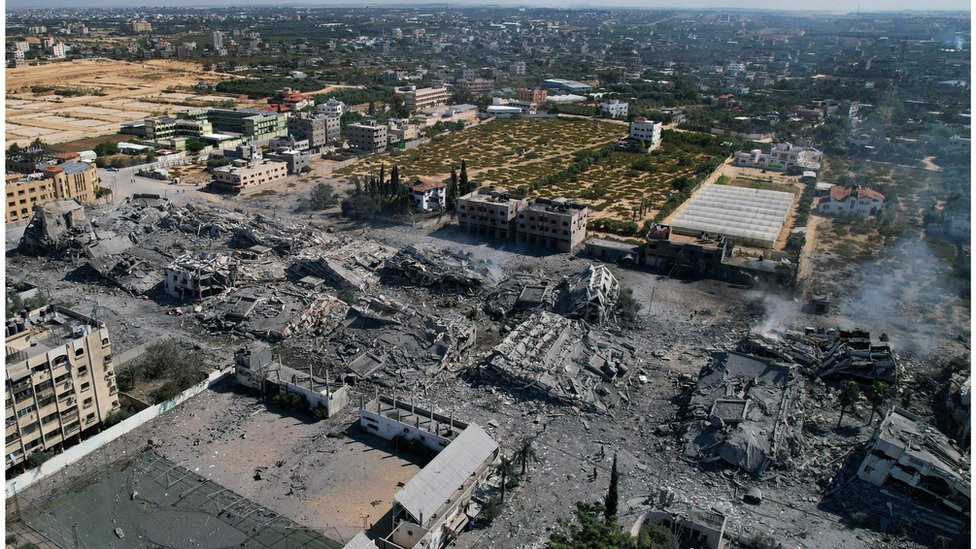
{"x": 590, "y": 295}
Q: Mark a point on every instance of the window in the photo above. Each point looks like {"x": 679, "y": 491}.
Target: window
{"x": 85, "y": 386}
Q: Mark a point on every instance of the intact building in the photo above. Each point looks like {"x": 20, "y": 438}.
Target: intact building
{"x": 571, "y": 86}
{"x": 332, "y": 107}
{"x": 135, "y": 26}
{"x": 317, "y": 130}
{"x": 367, "y": 136}
{"x": 417, "y": 99}
{"x": 489, "y": 212}
{"x": 614, "y": 109}
{"x": 60, "y": 380}
{"x": 537, "y": 95}
{"x": 399, "y": 130}
{"x": 557, "y": 224}
{"x": 251, "y": 124}
{"x": 167, "y": 127}
{"x": 853, "y": 200}
{"x": 647, "y": 131}
{"x": 243, "y": 174}
{"x": 70, "y": 180}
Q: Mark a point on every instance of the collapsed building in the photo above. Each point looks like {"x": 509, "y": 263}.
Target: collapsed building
{"x": 562, "y": 359}
{"x": 345, "y": 264}
{"x": 742, "y": 411}
{"x": 691, "y": 526}
{"x": 908, "y": 457}
{"x": 455, "y": 268}
{"x": 590, "y": 295}
{"x": 200, "y": 274}
{"x": 54, "y": 227}
{"x": 274, "y": 313}
{"x": 433, "y": 507}
{"x": 825, "y": 353}
{"x": 958, "y": 401}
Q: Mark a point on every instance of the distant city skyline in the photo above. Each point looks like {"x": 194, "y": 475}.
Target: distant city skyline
{"x": 841, "y": 6}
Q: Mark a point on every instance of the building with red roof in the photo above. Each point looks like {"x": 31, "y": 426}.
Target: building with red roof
{"x": 851, "y": 200}
{"x": 428, "y": 193}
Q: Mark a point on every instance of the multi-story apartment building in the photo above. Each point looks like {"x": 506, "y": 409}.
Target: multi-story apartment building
{"x": 243, "y": 174}
{"x": 332, "y": 107}
{"x": 557, "y": 224}
{"x": 136, "y": 26}
{"x": 517, "y": 68}
{"x": 251, "y": 124}
{"x": 318, "y": 130}
{"x": 57, "y": 50}
{"x": 416, "y": 99}
{"x": 70, "y": 180}
{"x": 367, "y": 136}
{"x": 537, "y": 95}
{"x": 167, "y": 127}
{"x": 489, "y": 212}
{"x": 218, "y": 40}
{"x": 60, "y": 380}
{"x": 477, "y": 86}
{"x": 647, "y": 131}
{"x": 614, "y": 108}
{"x": 400, "y": 129}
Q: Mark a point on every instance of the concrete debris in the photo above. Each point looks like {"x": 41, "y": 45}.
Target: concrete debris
{"x": 907, "y": 456}
{"x": 54, "y": 227}
{"x": 344, "y": 264}
{"x": 274, "y": 313}
{"x": 742, "y": 411}
{"x": 200, "y": 274}
{"x": 564, "y": 359}
{"x": 590, "y": 295}
{"x": 691, "y": 526}
{"x": 829, "y": 353}
{"x": 958, "y": 400}
{"x": 129, "y": 272}
{"x": 445, "y": 268}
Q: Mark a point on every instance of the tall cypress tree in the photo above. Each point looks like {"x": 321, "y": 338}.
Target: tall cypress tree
{"x": 465, "y": 184}
{"x": 394, "y": 180}
{"x": 452, "y": 191}
{"x": 611, "y": 501}
{"x": 382, "y": 174}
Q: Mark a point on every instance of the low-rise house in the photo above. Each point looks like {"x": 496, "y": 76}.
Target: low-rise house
{"x": 428, "y": 193}
{"x": 647, "y": 131}
{"x": 781, "y": 157}
{"x": 332, "y": 107}
{"x": 242, "y": 174}
{"x": 851, "y": 200}
{"x": 399, "y": 130}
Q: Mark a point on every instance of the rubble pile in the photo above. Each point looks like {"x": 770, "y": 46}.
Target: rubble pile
{"x": 825, "y": 353}
{"x": 743, "y": 410}
{"x": 590, "y": 295}
{"x": 343, "y": 263}
{"x": 57, "y": 226}
{"x": 563, "y": 359}
{"x": 445, "y": 267}
{"x": 274, "y": 313}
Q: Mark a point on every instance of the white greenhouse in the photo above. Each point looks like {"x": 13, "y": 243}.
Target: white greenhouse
{"x": 753, "y": 217}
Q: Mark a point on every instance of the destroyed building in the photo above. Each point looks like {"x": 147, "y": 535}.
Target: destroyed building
{"x": 906, "y": 456}
{"x": 200, "y": 274}
{"x": 691, "y": 526}
{"x": 273, "y": 313}
{"x": 590, "y": 295}
{"x": 54, "y": 226}
{"x": 454, "y": 268}
{"x": 825, "y": 353}
{"x": 562, "y": 359}
{"x": 742, "y": 411}
{"x": 958, "y": 401}
{"x": 343, "y": 264}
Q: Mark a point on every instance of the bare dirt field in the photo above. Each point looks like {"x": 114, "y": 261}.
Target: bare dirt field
{"x": 116, "y": 92}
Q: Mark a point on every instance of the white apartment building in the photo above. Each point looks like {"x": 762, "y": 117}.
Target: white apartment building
{"x": 57, "y": 50}
{"x": 332, "y": 107}
{"x": 614, "y": 108}
{"x": 646, "y": 130}
{"x": 22, "y": 46}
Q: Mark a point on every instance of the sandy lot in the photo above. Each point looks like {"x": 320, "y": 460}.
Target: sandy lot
{"x": 129, "y": 92}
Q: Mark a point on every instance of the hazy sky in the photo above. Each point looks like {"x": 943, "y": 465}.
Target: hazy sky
{"x": 827, "y": 5}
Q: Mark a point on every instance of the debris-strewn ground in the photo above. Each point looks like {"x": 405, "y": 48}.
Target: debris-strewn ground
{"x": 416, "y": 321}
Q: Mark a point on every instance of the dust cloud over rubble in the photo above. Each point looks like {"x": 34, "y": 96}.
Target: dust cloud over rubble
{"x": 712, "y": 394}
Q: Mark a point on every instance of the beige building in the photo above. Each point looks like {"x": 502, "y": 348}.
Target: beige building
{"x": 537, "y": 95}
{"x": 557, "y": 224}
{"x": 60, "y": 380}
{"x": 243, "y": 174}
{"x": 418, "y": 99}
{"x": 77, "y": 180}
{"x": 368, "y": 136}
{"x": 490, "y": 212}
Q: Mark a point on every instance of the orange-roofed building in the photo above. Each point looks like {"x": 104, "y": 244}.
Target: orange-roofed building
{"x": 428, "y": 193}
{"x": 852, "y": 200}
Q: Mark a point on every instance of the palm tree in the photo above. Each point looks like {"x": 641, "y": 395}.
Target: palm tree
{"x": 505, "y": 469}
{"x": 526, "y": 453}
{"x": 878, "y": 396}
